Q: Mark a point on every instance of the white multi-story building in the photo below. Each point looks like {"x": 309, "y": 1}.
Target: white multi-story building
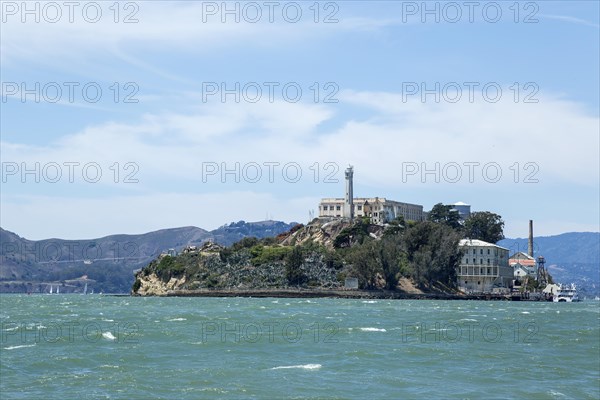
{"x": 484, "y": 266}
{"x": 379, "y": 209}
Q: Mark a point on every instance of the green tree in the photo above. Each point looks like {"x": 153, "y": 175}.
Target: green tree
{"x": 391, "y": 259}
{"x": 136, "y": 285}
{"x": 432, "y": 253}
{"x": 485, "y": 226}
{"x": 364, "y": 264}
{"x": 446, "y": 215}
{"x": 445, "y": 257}
{"x": 293, "y": 267}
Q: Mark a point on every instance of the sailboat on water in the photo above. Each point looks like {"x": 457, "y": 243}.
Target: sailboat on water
{"x": 50, "y": 289}
{"x": 85, "y": 289}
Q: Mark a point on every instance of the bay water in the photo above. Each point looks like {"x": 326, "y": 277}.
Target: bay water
{"x": 106, "y": 347}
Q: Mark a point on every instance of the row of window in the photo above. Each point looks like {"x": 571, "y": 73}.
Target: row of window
{"x": 488, "y": 251}
{"x": 475, "y": 261}
{"x": 493, "y": 271}
{"x": 338, "y": 208}
{"x": 389, "y": 210}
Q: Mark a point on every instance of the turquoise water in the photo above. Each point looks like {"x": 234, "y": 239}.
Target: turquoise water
{"x": 90, "y": 347}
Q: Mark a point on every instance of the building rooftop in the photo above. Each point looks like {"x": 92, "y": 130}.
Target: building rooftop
{"x": 477, "y": 242}
{"x": 358, "y": 200}
{"x": 522, "y": 256}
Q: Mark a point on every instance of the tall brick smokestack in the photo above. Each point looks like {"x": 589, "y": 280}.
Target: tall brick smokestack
{"x": 530, "y": 244}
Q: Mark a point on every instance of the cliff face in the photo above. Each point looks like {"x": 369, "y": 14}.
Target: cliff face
{"x": 325, "y": 233}
{"x": 152, "y": 285}
{"x": 322, "y": 233}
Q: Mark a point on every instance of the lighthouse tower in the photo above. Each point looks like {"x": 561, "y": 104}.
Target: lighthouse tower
{"x": 349, "y": 199}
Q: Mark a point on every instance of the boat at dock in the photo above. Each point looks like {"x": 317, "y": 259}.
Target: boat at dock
{"x": 566, "y": 294}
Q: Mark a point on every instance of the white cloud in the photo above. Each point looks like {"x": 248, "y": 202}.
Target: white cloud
{"x": 555, "y": 133}
{"x": 170, "y": 143}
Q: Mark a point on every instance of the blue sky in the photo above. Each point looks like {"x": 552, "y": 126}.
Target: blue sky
{"x": 380, "y": 85}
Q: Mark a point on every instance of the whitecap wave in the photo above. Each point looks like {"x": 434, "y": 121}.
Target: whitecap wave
{"x": 177, "y": 319}
{"x": 304, "y": 366}
{"x": 554, "y": 393}
{"x": 369, "y": 329}
{"x": 108, "y": 335}
{"x": 11, "y": 329}
{"x": 19, "y": 347}
{"x": 370, "y": 301}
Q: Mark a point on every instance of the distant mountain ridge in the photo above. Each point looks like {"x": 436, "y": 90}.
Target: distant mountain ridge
{"x": 25, "y": 265}
{"x": 569, "y": 247}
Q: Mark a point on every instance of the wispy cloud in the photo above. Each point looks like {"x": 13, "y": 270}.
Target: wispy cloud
{"x": 162, "y": 26}
{"x": 569, "y": 19}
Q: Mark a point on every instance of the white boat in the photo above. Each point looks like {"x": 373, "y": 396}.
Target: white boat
{"x": 50, "y": 289}
{"x": 58, "y": 290}
{"x": 85, "y": 289}
{"x": 566, "y": 294}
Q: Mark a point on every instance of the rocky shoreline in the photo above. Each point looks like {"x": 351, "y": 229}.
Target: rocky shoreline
{"x": 327, "y": 293}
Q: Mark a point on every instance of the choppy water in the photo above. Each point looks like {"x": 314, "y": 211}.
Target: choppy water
{"x": 73, "y": 346}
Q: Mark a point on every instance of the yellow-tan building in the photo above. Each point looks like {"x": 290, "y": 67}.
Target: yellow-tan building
{"x": 379, "y": 209}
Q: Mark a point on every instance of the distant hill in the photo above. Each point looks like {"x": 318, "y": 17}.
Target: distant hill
{"x": 108, "y": 262}
{"x": 570, "y": 257}
{"x": 228, "y": 234}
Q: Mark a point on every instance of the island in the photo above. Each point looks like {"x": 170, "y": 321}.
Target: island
{"x": 325, "y": 258}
